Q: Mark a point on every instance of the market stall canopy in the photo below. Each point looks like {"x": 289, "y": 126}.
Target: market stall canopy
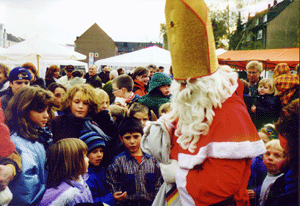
{"x": 143, "y": 57}
{"x": 269, "y": 57}
{"x": 38, "y": 48}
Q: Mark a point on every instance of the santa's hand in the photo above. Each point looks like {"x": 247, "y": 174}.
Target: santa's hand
{"x": 168, "y": 171}
{"x": 6, "y": 175}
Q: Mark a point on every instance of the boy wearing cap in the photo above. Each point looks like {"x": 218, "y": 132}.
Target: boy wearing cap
{"x": 210, "y": 132}
{"x": 97, "y": 181}
{"x": 18, "y": 77}
{"x": 65, "y": 79}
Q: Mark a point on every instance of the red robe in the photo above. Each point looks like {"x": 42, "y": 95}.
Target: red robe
{"x": 220, "y": 167}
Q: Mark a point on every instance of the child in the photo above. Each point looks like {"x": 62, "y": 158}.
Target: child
{"x": 27, "y": 116}
{"x": 134, "y": 177}
{"x": 107, "y": 125}
{"x": 117, "y": 112}
{"x": 258, "y": 169}
{"x": 273, "y": 184}
{"x": 159, "y": 92}
{"x": 78, "y": 106}
{"x": 122, "y": 87}
{"x": 97, "y": 181}
{"x": 140, "y": 112}
{"x": 67, "y": 165}
{"x": 267, "y": 106}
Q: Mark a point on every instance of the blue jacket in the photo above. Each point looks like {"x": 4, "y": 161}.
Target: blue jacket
{"x": 98, "y": 186}
{"x": 29, "y": 187}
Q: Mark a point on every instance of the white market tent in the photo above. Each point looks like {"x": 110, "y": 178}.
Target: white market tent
{"x": 143, "y": 57}
{"x": 39, "y": 49}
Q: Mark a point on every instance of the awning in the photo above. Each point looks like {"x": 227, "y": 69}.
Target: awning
{"x": 269, "y": 57}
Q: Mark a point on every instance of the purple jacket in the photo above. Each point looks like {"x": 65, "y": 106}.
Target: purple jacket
{"x": 66, "y": 194}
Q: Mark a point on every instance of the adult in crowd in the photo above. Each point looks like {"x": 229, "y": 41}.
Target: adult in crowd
{"x": 108, "y": 86}
{"x": 59, "y": 91}
{"x": 160, "y": 69}
{"x": 286, "y": 83}
{"x": 93, "y": 78}
{"x": 152, "y": 70}
{"x": 209, "y": 132}
{"x": 77, "y": 78}
{"x": 65, "y": 79}
{"x": 35, "y": 79}
{"x": 121, "y": 71}
{"x": 141, "y": 79}
{"x": 52, "y": 74}
{"x": 4, "y": 83}
{"x": 288, "y": 129}
{"x": 18, "y": 77}
{"x": 104, "y": 74}
{"x": 254, "y": 69}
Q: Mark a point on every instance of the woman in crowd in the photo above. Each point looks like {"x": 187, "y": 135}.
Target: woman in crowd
{"x": 27, "y": 115}
{"x": 52, "y": 74}
{"x": 141, "y": 79}
{"x": 4, "y": 83}
{"x": 35, "y": 79}
{"x": 59, "y": 91}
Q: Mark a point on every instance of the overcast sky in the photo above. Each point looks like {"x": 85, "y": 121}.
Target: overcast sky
{"x": 62, "y": 21}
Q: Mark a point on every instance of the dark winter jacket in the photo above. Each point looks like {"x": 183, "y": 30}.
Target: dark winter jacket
{"x": 268, "y": 108}
{"x": 95, "y": 81}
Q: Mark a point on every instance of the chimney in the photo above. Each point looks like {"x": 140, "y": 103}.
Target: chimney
{"x": 248, "y": 16}
{"x": 275, "y": 2}
{"x": 269, "y": 6}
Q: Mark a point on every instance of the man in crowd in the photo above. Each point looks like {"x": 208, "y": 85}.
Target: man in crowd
{"x": 254, "y": 69}
{"x": 211, "y": 135}
{"x": 18, "y": 77}
{"x": 66, "y": 79}
{"x": 93, "y": 78}
{"x": 160, "y": 69}
{"x": 104, "y": 74}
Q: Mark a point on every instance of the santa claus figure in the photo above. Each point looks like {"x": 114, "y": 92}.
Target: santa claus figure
{"x": 206, "y": 143}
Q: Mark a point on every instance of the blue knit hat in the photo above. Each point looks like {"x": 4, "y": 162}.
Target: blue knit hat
{"x": 91, "y": 139}
{"x": 14, "y": 74}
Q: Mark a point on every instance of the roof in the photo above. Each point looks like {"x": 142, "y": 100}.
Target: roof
{"x": 12, "y": 38}
{"x": 125, "y": 47}
{"x": 269, "y": 57}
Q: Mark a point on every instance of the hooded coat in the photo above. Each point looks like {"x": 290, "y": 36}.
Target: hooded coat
{"x": 154, "y": 99}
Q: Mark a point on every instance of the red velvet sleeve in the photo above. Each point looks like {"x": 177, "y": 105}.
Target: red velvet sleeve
{"x": 219, "y": 179}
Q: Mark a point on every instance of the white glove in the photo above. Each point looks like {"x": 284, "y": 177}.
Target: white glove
{"x": 168, "y": 171}
{"x": 5, "y": 196}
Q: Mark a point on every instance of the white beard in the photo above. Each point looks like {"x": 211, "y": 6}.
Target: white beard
{"x": 193, "y": 107}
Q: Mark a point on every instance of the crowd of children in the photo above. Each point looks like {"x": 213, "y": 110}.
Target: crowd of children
{"x": 72, "y": 145}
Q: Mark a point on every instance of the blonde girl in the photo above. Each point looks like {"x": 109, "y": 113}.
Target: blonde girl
{"x": 27, "y": 116}
{"x": 78, "y": 105}
{"x": 67, "y": 165}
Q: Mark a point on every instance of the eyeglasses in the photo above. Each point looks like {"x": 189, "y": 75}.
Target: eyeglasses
{"x": 252, "y": 72}
{"x": 113, "y": 90}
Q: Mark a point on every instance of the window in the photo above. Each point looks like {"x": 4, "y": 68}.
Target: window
{"x": 265, "y": 19}
{"x": 248, "y": 37}
{"x": 257, "y": 22}
{"x": 259, "y": 34}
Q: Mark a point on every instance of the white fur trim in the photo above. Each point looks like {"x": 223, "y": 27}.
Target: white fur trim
{"x": 66, "y": 197}
{"x": 185, "y": 197}
{"x": 222, "y": 150}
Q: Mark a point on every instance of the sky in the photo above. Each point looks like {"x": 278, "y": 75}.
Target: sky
{"x": 61, "y": 21}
